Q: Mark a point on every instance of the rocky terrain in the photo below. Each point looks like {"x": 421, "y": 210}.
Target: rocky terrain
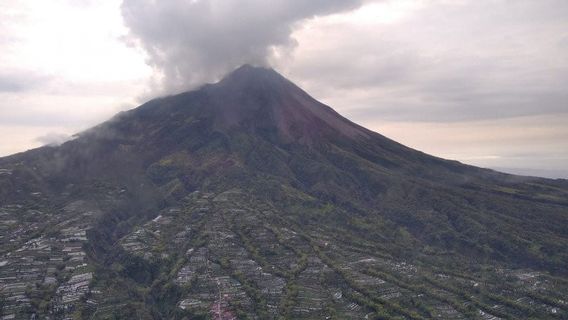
{"x": 248, "y": 199}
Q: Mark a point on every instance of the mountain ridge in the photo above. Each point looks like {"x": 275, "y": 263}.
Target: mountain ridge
{"x": 251, "y": 197}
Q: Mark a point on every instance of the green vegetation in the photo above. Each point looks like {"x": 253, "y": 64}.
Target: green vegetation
{"x": 257, "y": 202}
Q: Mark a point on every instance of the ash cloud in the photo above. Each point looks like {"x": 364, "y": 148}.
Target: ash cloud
{"x": 190, "y": 42}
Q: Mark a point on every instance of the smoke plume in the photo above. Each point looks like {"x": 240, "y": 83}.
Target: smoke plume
{"x": 189, "y": 42}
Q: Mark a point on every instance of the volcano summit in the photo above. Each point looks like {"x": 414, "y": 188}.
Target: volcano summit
{"x": 249, "y": 199}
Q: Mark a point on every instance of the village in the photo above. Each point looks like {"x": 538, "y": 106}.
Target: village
{"x": 44, "y": 268}
{"x": 234, "y": 258}
{"x": 240, "y": 260}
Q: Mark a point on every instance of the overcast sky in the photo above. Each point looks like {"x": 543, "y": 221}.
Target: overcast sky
{"x": 483, "y": 82}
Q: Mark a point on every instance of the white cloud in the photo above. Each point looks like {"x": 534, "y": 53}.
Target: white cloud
{"x": 478, "y": 81}
{"x": 53, "y": 139}
{"x": 438, "y": 60}
{"x": 191, "y": 42}
{"x": 63, "y": 68}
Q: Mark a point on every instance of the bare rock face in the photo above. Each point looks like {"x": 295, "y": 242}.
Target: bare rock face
{"x": 262, "y": 99}
{"x": 248, "y": 199}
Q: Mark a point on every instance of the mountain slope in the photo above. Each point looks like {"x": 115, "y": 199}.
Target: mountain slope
{"x": 248, "y": 198}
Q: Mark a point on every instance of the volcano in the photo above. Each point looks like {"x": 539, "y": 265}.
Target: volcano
{"x": 249, "y": 199}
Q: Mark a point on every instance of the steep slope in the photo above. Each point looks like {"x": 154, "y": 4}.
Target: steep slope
{"x": 248, "y": 198}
